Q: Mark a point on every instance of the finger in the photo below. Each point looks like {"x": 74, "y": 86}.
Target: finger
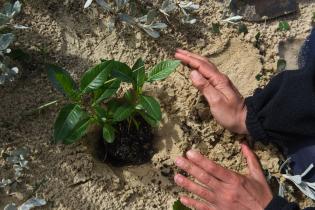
{"x": 192, "y": 203}
{"x": 252, "y": 161}
{"x": 185, "y": 52}
{"x": 207, "y": 69}
{"x": 201, "y": 175}
{"x": 210, "y": 167}
{"x": 194, "y": 188}
{"x": 202, "y": 84}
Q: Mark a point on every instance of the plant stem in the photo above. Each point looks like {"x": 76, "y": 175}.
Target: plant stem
{"x": 41, "y": 107}
{"x": 109, "y": 81}
{"x": 47, "y": 105}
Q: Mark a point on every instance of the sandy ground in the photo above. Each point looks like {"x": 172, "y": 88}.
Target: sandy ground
{"x": 69, "y": 177}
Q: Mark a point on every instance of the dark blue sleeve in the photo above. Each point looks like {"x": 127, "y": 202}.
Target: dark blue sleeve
{"x": 284, "y": 111}
{"x": 279, "y": 203}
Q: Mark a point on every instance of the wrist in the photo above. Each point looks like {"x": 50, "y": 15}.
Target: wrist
{"x": 242, "y": 120}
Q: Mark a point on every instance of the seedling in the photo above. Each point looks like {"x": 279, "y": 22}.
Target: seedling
{"x": 283, "y": 26}
{"x": 258, "y": 40}
{"x": 258, "y": 77}
{"x": 151, "y": 23}
{"x": 95, "y": 99}
{"x": 184, "y": 7}
{"x": 6, "y": 38}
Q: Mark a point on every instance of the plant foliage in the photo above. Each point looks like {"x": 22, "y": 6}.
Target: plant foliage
{"x": 100, "y": 85}
{"x": 150, "y": 19}
{"x": 179, "y": 206}
{"x": 283, "y": 26}
{"x": 7, "y": 13}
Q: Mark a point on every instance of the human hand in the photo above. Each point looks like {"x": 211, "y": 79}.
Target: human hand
{"x": 223, "y": 189}
{"x": 226, "y": 103}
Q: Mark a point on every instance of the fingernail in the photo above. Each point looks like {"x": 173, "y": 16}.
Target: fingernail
{"x": 179, "y": 162}
{"x": 192, "y": 153}
{"x": 178, "y": 178}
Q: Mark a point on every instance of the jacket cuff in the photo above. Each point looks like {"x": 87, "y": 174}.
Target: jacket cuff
{"x": 278, "y": 203}
{"x": 253, "y": 124}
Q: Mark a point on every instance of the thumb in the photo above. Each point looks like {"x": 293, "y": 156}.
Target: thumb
{"x": 203, "y": 85}
{"x": 252, "y": 162}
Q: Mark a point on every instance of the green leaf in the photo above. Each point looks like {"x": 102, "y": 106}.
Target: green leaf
{"x": 121, "y": 71}
{"x": 153, "y": 122}
{"x": 179, "y": 206}
{"x": 138, "y": 74}
{"x": 95, "y": 77}
{"x": 61, "y": 80}
{"x": 123, "y": 112}
{"x": 151, "y": 106}
{"x": 162, "y": 70}
{"x": 68, "y": 120}
{"x": 6, "y": 40}
{"x": 283, "y": 26}
{"x": 101, "y": 113}
{"x": 108, "y": 90}
{"x": 108, "y": 133}
{"x": 258, "y": 77}
{"x": 112, "y": 106}
{"x": 80, "y": 130}
{"x": 129, "y": 96}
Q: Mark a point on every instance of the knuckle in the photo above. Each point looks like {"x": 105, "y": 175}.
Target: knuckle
{"x": 188, "y": 167}
{"x": 231, "y": 196}
{"x": 238, "y": 181}
{"x": 203, "y": 176}
{"x": 216, "y": 100}
{"x": 204, "y": 194}
{"x": 223, "y": 80}
{"x": 203, "y": 207}
{"x": 211, "y": 166}
{"x": 204, "y": 64}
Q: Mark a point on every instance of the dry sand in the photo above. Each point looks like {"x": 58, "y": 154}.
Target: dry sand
{"x": 69, "y": 177}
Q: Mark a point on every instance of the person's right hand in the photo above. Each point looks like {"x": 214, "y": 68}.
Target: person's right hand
{"x": 226, "y": 103}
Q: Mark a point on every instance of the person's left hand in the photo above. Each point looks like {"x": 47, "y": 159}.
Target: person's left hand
{"x": 220, "y": 188}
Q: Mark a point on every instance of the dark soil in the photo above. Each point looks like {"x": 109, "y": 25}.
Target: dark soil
{"x": 132, "y": 146}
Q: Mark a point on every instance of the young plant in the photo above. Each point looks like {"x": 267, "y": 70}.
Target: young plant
{"x": 95, "y": 99}
{"x": 6, "y": 38}
{"x": 184, "y": 8}
{"x": 125, "y": 11}
{"x": 283, "y": 26}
